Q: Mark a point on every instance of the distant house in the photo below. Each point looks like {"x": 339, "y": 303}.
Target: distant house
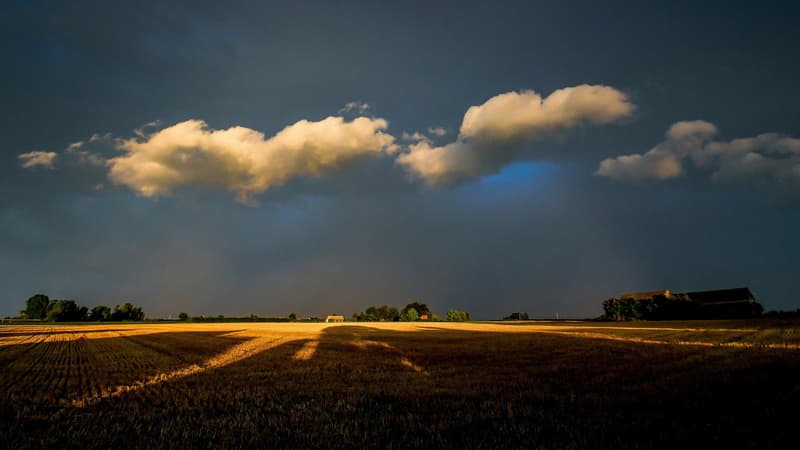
{"x": 646, "y": 295}
{"x": 334, "y": 319}
{"x": 726, "y": 303}
{"x": 423, "y": 317}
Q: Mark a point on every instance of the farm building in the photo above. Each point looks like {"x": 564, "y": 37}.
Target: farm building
{"x": 726, "y": 303}
{"x": 334, "y": 319}
{"x": 644, "y": 295}
{"x": 665, "y": 305}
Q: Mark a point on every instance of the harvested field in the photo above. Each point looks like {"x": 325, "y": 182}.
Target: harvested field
{"x": 401, "y": 385}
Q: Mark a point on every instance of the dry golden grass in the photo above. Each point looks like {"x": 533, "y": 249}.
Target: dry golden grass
{"x": 470, "y": 385}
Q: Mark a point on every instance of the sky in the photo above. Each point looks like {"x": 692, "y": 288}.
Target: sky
{"x": 322, "y": 157}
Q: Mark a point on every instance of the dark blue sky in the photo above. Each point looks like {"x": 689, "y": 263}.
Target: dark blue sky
{"x": 520, "y": 222}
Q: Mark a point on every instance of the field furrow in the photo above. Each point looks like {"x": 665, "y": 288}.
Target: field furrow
{"x": 527, "y": 385}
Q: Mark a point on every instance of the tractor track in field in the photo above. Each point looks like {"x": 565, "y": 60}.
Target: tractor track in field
{"x": 22, "y": 348}
{"x": 46, "y": 350}
{"x": 235, "y": 354}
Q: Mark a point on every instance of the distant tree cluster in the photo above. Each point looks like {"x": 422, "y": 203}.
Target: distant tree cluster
{"x": 657, "y": 307}
{"x": 127, "y": 312}
{"x": 251, "y": 318}
{"x": 454, "y": 315}
{"x": 41, "y": 307}
{"x": 416, "y": 311}
{"x": 410, "y": 315}
{"x": 517, "y": 316}
{"x": 783, "y": 314}
{"x": 412, "y": 312}
{"x": 383, "y": 313}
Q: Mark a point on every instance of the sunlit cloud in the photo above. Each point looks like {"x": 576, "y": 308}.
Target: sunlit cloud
{"x": 156, "y": 161}
{"x": 357, "y": 107}
{"x": 414, "y": 137}
{"x": 142, "y": 131}
{"x": 242, "y": 160}
{"x": 86, "y": 152}
{"x": 437, "y": 131}
{"x": 493, "y": 134}
{"x": 518, "y": 115}
{"x": 35, "y": 159}
{"x": 766, "y": 159}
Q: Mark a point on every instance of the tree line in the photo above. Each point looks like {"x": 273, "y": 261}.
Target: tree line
{"x": 412, "y": 312}
{"x": 41, "y": 307}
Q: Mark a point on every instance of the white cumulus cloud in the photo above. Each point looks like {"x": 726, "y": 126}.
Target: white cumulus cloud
{"x": 768, "y": 158}
{"x": 491, "y": 134}
{"x": 242, "y": 160}
{"x": 515, "y": 115}
{"x": 34, "y": 159}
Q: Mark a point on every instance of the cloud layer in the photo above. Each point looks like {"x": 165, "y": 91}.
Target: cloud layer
{"x": 242, "y": 160}
{"x": 246, "y": 162}
{"x": 37, "y": 159}
{"x": 492, "y": 134}
{"x": 767, "y": 158}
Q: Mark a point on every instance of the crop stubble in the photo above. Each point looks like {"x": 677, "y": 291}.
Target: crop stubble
{"x": 553, "y": 385}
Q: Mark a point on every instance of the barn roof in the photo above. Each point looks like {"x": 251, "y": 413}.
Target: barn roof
{"x": 643, "y": 295}
{"x": 735, "y": 295}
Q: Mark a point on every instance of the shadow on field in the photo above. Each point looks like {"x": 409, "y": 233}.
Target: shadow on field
{"x": 360, "y": 386}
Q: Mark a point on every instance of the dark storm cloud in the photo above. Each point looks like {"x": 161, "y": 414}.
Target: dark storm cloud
{"x": 541, "y": 237}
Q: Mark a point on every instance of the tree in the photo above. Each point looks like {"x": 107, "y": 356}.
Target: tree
{"x": 183, "y": 316}
{"x": 127, "y": 312}
{"x": 100, "y": 313}
{"x": 292, "y": 316}
{"x": 454, "y": 315}
{"x": 611, "y": 309}
{"x": 658, "y": 307}
{"x": 409, "y": 315}
{"x": 378, "y": 313}
{"x": 421, "y": 309}
{"x": 517, "y": 316}
{"x": 386, "y": 312}
{"x": 64, "y": 311}
{"x": 36, "y": 307}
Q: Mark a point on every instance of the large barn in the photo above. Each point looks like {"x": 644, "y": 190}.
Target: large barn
{"x": 726, "y": 303}
{"x": 663, "y": 304}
